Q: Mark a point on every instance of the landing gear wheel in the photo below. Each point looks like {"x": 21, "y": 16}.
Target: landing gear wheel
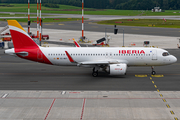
{"x": 95, "y": 74}
{"x": 94, "y": 69}
{"x": 153, "y": 73}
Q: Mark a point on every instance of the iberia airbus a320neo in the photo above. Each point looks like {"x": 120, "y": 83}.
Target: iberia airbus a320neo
{"x": 113, "y": 60}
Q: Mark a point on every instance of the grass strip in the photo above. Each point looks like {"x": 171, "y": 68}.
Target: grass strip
{"x": 67, "y": 9}
{"x": 45, "y": 20}
{"x": 143, "y": 23}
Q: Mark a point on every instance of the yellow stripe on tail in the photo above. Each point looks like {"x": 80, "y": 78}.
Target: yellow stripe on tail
{"x": 15, "y": 24}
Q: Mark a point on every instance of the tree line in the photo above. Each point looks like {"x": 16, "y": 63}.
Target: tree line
{"x": 112, "y": 4}
{"x": 51, "y": 5}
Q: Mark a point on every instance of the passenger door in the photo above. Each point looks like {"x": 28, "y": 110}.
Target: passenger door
{"x": 154, "y": 55}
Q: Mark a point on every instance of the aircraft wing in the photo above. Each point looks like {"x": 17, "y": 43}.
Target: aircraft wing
{"x": 103, "y": 62}
{"x": 97, "y": 62}
{"x": 94, "y": 62}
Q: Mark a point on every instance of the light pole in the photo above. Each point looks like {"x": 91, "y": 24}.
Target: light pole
{"x": 115, "y": 32}
{"x": 82, "y": 18}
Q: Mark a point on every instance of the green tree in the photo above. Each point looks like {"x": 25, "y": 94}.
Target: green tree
{"x": 165, "y": 4}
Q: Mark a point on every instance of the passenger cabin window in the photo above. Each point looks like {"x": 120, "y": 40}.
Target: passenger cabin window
{"x": 165, "y": 54}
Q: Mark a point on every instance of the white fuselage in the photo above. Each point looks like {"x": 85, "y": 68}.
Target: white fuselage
{"x": 113, "y": 60}
{"x": 136, "y": 56}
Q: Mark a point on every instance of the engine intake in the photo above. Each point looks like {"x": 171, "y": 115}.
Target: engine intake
{"x": 117, "y": 69}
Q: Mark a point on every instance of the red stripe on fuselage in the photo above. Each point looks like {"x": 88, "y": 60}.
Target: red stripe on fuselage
{"x": 34, "y": 55}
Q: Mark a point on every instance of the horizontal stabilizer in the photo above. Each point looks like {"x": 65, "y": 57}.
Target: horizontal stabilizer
{"x": 22, "y": 54}
{"x": 12, "y": 52}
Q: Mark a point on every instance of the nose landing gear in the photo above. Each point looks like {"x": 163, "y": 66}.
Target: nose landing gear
{"x": 153, "y": 72}
{"x": 95, "y": 74}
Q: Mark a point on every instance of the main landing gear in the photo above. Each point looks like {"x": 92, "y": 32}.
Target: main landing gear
{"x": 153, "y": 72}
{"x": 95, "y": 72}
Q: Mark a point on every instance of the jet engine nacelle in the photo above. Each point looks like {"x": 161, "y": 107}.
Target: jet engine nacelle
{"x": 117, "y": 69}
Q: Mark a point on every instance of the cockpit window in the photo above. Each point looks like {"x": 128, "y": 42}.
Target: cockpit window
{"x": 165, "y": 54}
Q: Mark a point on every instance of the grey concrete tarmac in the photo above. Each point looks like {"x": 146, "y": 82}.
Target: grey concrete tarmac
{"x": 135, "y": 96}
{"x": 19, "y": 74}
{"x": 92, "y": 26}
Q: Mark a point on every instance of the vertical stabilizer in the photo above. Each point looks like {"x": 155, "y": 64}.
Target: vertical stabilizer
{"x": 24, "y": 46}
{"x": 20, "y": 37}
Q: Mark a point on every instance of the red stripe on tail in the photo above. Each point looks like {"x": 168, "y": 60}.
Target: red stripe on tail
{"x": 24, "y": 43}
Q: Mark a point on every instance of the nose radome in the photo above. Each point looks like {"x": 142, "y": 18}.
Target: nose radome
{"x": 174, "y": 59}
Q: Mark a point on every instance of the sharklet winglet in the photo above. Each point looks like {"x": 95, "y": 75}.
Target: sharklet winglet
{"x": 77, "y": 45}
{"x": 69, "y": 57}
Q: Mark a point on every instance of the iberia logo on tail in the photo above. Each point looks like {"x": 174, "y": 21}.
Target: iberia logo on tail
{"x": 19, "y": 36}
{"x": 24, "y": 46}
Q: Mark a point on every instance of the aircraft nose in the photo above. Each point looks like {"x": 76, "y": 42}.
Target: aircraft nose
{"x": 174, "y": 59}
